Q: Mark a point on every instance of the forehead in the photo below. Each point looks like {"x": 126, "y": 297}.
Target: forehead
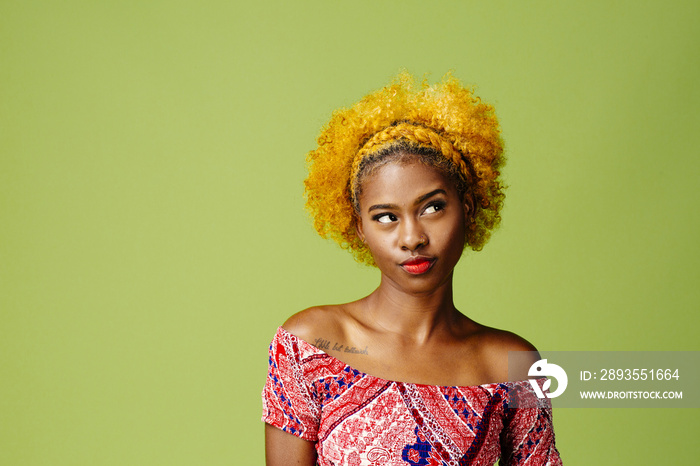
{"x": 402, "y": 183}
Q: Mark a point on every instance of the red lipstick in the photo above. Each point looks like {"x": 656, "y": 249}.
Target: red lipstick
{"x": 417, "y": 265}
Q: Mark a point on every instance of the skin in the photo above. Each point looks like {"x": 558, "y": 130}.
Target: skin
{"x": 408, "y": 329}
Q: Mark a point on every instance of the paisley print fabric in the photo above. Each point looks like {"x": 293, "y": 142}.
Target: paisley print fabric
{"x": 357, "y": 419}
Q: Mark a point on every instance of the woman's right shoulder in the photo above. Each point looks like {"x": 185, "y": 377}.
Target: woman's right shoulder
{"x": 317, "y": 322}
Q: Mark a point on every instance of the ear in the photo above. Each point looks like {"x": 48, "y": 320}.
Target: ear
{"x": 358, "y": 228}
{"x": 468, "y": 207}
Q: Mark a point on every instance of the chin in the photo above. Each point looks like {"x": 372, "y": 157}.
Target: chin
{"x": 419, "y": 284}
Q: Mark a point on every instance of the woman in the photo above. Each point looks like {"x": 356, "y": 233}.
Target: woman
{"x": 405, "y": 180}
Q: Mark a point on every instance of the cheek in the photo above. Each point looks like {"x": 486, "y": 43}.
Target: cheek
{"x": 455, "y": 236}
{"x": 378, "y": 246}
{"x": 381, "y": 245}
{"x": 453, "y": 241}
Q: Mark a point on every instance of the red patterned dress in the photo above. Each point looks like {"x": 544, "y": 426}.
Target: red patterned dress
{"x": 357, "y": 419}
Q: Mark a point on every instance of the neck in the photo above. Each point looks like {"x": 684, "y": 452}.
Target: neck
{"x": 412, "y": 316}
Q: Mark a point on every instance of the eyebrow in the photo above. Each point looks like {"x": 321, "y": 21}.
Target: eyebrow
{"x": 418, "y": 201}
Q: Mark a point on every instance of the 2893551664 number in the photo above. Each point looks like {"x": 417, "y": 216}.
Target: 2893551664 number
{"x": 639, "y": 374}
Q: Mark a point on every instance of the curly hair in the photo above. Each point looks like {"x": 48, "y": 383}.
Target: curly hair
{"x": 445, "y": 119}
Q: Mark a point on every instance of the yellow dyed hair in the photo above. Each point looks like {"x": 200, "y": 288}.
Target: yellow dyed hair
{"x": 445, "y": 117}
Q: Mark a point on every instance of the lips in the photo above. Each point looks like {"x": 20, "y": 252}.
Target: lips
{"x": 417, "y": 265}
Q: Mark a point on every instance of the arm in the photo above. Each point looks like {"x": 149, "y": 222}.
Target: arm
{"x": 283, "y": 449}
{"x": 528, "y": 432}
{"x": 528, "y": 438}
{"x": 290, "y": 410}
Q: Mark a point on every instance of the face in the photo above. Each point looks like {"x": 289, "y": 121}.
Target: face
{"x": 414, "y": 222}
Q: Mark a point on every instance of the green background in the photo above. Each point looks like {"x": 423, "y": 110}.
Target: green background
{"x": 152, "y": 232}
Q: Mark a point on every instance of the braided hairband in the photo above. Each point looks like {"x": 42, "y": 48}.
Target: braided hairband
{"x": 412, "y": 132}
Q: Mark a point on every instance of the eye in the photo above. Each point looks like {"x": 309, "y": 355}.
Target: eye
{"x": 384, "y": 218}
{"x": 434, "y": 207}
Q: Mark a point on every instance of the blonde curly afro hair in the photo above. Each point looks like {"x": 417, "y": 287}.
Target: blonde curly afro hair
{"x": 444, "y": 119}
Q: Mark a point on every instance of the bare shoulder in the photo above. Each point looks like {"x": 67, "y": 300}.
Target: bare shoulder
{"x": 315, "y": 321}
{"x": 494, "y": 346}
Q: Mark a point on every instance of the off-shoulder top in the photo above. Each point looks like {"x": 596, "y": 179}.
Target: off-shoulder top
{"x": 357, "y": 419}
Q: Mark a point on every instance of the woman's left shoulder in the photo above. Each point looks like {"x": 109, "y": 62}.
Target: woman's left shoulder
{"x": 495, "y": 344}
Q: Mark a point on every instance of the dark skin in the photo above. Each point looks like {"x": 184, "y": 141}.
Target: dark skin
{"x": 408, "y": 329}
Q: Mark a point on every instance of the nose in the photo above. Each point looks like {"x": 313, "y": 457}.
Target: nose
{"x": 412, "y": 235}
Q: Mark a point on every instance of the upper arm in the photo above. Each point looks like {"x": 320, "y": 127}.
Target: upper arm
{"x": 528, "y": 436}
{"x": 283, "y": 449}
{"x": 290, "y": 409}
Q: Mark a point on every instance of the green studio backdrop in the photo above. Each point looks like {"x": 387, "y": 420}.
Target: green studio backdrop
{"x": 152, "y": 231}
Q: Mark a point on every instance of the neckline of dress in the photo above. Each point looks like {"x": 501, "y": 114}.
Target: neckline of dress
{"x": 348, "y": 366}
